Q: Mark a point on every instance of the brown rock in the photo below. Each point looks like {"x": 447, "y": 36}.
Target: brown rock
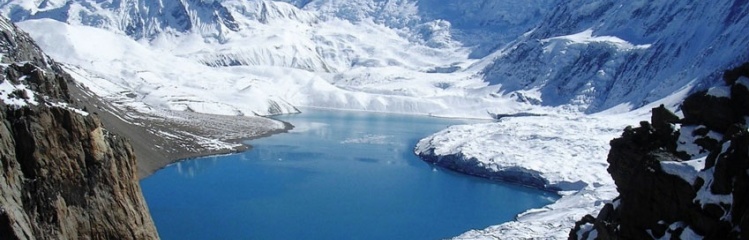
{"x": 62, "y": 176}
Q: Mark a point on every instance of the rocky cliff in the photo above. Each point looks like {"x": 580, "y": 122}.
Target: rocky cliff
{"x": 63, "y": 176}
{"x": 682, "y": 178}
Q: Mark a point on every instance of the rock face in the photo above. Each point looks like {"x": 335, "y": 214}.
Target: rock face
{"x": 63, "y": 176}
{"x": 682, "y": 183}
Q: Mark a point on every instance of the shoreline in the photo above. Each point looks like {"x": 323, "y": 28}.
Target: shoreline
{"x": 165, "y": 137}
{"x": 431, "y": 115}
{"x": 542, "y": 153}
{"x": 240, "y": 148}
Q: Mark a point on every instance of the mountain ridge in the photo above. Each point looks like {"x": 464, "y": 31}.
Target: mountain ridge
{"x": 699, "y": 41}
{"x": 533, "y": 52}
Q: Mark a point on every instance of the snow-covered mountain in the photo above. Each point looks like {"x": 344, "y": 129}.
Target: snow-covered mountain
{"x": 485, "y": 25}
{"x": 250, "y": 57}
{"x": 423, "y": 56}
{"x": 597, "y": 55}
{"x": 447, "y": 58}
{"x": 136, "y": 18}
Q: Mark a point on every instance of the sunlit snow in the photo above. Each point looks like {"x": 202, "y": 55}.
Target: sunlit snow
{"x": 586, "y": 36}
{"x": 458, "y": 59}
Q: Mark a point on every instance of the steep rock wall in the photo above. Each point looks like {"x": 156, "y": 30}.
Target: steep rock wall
{"x": 62, "y": 175}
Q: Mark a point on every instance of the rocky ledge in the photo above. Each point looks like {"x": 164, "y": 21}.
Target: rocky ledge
{"x": 63, "y": 175}
{"x": 682, "y": 178}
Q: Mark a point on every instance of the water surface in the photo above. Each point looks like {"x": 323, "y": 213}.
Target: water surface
{"x": 337, "y": 175}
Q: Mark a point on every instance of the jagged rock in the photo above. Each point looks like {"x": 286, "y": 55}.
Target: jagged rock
{"x": 62, "y": 175}
{"x": 714, "y": 112}
{"x": 654, "y": 203}
{"x": 732, "y": 75}
{"x": 663, "y": 118}
{"x": 740, "y": 96}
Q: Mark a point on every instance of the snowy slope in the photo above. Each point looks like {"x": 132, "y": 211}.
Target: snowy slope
{"x": 597, "y": 55}
{"x": 118, "y": 67}
{"x": 127, "y": 71}
{"x": 136, "y": 18}
{"x": 484, "y": 25}
{"x": 277, "y": 57}
{"x": 356, "y": 45}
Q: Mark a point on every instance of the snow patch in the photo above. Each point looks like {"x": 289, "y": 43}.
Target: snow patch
{"x": 17, "y": 95}
{"x": 68, "y": 107}
{"x": 686, "y": 234}
{"x": 743, "y": 81}
{"x": 586, "y": 37}
{"x": 686, "y": 143}
{"x": 719, "y": 91}
{"x": 686, "y": 170}
{"x": 705, "y": 195}
{"x": 687, "y": 140}
{"x": 589, "y": 229}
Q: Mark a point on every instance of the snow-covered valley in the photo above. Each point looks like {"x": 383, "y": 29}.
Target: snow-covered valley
{"x": 587, "y": 69}
{"x": 280, "y": 58}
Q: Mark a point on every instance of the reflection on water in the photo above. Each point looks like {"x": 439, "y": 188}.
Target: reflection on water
{"x": 338, "y": 175}
{"x": 189, "y": 169}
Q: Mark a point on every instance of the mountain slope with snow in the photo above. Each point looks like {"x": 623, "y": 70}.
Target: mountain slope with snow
{"x": 484, "y": 25}
{"x": 558, "y": 58}
{"x": 597, "y": 55}
{"x": 577, "y": 55}
{"x": 136, "y": 18}
{"x": 273, "y": 57}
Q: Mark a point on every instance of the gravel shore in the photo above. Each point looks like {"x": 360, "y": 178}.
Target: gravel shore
{"x": 162, "y": 137}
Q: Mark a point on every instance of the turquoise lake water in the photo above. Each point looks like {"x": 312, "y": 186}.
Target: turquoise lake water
{"x": 337, "y": 175}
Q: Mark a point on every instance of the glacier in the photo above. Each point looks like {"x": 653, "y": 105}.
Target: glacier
{"x": 589, "y": 67}
{"x": 278, "y": 55}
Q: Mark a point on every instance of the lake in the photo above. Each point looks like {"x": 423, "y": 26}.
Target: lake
{"x": 337, "y": 175}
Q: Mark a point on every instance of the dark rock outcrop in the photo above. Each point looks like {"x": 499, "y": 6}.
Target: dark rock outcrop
{"x": 654, "y": 203}
{"x": 62, "y": 175}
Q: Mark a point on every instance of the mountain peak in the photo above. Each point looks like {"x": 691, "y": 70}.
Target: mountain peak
{"x": 138, "y": 19}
